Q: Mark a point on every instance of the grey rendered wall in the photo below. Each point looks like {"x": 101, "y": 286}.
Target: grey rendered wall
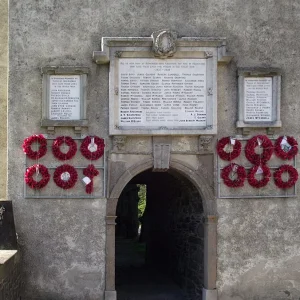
{"x": 63, "y": 240}
{"x": 3, "y": 95}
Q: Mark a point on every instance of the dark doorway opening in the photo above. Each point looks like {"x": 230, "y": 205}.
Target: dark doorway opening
{"x": 159, "y": 253}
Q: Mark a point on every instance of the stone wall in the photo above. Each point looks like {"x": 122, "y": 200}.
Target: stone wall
{"x": 11, "y": 282}
{"x": 63, "y": 241}
{"x": 3, "y": 95}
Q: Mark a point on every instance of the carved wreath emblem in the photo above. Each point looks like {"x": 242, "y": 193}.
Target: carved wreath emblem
{"x": 164, "y": 43}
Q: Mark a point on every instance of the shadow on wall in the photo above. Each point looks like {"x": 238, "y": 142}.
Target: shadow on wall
{"x": 172, "y": 235}
{"x": 10, "y": 273}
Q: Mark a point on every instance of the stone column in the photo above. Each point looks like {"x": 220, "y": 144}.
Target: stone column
{"x": 110, "y": 289}
{"x": 210, "y": 258}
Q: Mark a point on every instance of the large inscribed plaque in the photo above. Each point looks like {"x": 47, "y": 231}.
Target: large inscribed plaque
{"x": 162, "y": 84}
{"x": 170, "y": 93}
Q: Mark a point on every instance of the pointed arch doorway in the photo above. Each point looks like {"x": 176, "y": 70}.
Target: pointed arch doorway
{"x": 185, "y": 190}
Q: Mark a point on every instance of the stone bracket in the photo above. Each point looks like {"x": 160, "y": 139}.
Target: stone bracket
{"x": 224, "y": 57}
{"x": 101, "y": 57}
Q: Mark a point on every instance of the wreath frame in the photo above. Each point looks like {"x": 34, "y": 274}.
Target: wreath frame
{"x": 36, "y": 138}
{"x": 64, "y": 140}
{"x": 237, "y": 147}
{"x": 293, "y": 173}
{"x": 258, "y": 159}
{"x": 70, "y": 182}
{"x": 241, "y": 173}
{"x": 286, "y": 155}
{"x": 259, "y": 183}
{"x": 30, "y": 171}
{"x": 92, "y": 155}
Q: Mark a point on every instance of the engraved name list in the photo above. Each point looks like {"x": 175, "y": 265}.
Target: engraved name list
{"x": 162, "y": 93}
{"x": 64, "y": 97}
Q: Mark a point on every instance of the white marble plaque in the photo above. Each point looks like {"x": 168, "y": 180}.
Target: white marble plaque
{"x": 258, "y": 99}
{"x": 64, "y": 97}
{"x": 162, "y": 93}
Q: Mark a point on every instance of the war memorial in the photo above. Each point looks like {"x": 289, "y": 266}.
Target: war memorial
{"x": 194, "y": 102}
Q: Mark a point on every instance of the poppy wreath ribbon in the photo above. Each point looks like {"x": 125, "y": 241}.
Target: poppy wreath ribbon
{"x": 293, "y": 176}
{"x": 262, "y": 182}
{"x": 65, "y": 176}
{"x": 36, "y": 138}
{"x": 228, "y": 155}
{"x": 283, "y": 154}
{"x": 90, "y": 171}
{"x": 37, "y": 169}
{"x": 241, "y": 175}
{"x": 92, "y": 147}
{"x": 262, "y": 141}
{"x": 64, "y": 140}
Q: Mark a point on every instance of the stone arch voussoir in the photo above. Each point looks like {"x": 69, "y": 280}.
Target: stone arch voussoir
{"x": 201, "y": 183}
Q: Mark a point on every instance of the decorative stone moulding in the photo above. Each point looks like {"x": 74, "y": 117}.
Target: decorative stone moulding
{"x": 64, "y": 97}
{"x": 259, "y": 93}
{"x": 205, "y": 143}
{"x": 162, "y": 85}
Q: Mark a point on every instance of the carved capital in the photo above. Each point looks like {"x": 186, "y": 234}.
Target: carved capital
{"x": 205, "y": 143}
{"x": 164, "y": 43}
{"x": 119, "y": 143}
{"x": 118, "y": 54}
{"x": 110, "y": 220}
{"x": 208, "y": 54}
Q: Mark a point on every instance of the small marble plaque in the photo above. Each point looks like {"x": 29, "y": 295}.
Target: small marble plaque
{"x": 259, "y": 98}
{"x": 64, "y": 97}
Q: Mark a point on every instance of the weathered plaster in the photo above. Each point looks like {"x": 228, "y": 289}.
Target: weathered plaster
{"x": 258, "y": 246}
{"x": 3, "y": 95}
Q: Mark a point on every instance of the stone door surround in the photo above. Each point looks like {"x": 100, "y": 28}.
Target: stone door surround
{"x": 210, "y": 226}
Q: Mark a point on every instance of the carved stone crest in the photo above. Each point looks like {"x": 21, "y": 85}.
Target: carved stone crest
{"x": 205, "y": 143}
{"x": 164, "y": 43}
{"x": 119, "y": 143}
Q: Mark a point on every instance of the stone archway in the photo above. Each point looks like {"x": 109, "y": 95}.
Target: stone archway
{"x": 210, "y": 227}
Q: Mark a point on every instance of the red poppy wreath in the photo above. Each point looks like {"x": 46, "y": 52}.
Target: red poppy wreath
{"x": 65, "y": 176}
{"x": 64, "y": 140}
{"x": 261, "y": 141}
{"x": 36, "y": 138}
{"x": 229, "y": 170}
{"x": 90, "y": 172}
{"x": 37, "y": 169}
{"x": 265, "y": 172}
{"x": 293, "y": 176}
{"x": 236, "y": 149}
{"x": 92, "y": 147}
{"x": 286, "y": 152}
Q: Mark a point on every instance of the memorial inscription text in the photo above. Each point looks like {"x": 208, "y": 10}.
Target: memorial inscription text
{"x": 64, "y": 97}
{"x": 258, "y": 99}
{"x": 162, "y": 93}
